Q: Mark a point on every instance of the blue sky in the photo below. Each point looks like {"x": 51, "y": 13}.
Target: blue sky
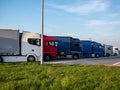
{"x": 97, "y": 20}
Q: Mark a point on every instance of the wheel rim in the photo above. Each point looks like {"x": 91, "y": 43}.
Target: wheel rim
{"x": 31, "y": 58}
{"x": 47, "y": 57}
{"x": 97, "y": 56}
{"x": 75, "y": 56}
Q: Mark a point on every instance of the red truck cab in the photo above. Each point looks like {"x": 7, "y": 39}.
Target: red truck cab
{"x": 49, "y": 48}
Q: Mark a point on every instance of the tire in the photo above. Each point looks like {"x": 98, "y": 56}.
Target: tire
{"x": 115, "y": 54}
{"x": 107, "y": 55}
{"x": 1, "y": 59}
{"x": 31, "y": 58}
{"x": 47, "y": 57}
{"x": 97, "y": 55}
{"x": 84, "y": 56}
{"x": 75, "y": 56}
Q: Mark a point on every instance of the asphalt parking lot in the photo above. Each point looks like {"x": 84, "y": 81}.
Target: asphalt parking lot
{"x": 107, "y": 61}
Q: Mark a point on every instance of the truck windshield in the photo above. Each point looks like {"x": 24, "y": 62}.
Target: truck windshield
{"x": 116, "y": 49}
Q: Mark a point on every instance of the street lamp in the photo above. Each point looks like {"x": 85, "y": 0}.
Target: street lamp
{"x": 42, "y": 33}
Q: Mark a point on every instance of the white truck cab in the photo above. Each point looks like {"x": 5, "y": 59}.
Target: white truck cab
{"x": 115, "y": 51}
{"x": 30, "y": 46}
{"x": 108, "y": 50}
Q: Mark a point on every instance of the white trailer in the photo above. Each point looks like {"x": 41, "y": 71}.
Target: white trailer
{"x": 108, "y": 50}
{"x": 17, "y": 47}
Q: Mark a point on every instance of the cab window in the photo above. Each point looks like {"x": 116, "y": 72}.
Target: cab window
{"x": 100, "y": 46}
{"x": 34, "y": 42}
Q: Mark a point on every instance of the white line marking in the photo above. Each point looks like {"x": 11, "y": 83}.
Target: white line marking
{"x": 116, "y": 63}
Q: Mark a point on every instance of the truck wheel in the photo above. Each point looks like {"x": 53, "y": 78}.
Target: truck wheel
{"x": 84, "y": 56}
{"x": 97, "y": 55}
{"x": 107, "y": 55}
{"x": 1, "y": 59}
{"x": 115, "y": 54}
{"x": 75, "y": 56}
{"x": 31, "y": 58}
{"x": 47, "y": 57}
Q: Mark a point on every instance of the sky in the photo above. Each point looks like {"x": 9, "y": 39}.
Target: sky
{"x": 97, "y": 20}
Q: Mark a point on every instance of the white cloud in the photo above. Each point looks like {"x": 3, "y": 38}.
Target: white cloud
{"x": 103, "y": 23}
{"x": 113, "y": 15}
{"x": 104, "y": 29}
{"x": 96, "y": 23}
{"x": 84, "y": 9}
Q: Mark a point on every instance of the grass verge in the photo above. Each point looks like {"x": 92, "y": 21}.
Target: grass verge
{"x": 32, "y": 76}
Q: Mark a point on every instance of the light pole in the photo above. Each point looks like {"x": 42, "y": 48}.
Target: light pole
{"x": 42, "y": 33}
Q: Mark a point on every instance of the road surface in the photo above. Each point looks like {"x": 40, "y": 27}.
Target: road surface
{"x": 108, "y": 61}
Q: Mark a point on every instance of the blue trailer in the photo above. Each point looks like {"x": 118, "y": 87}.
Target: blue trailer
{"x": 91, "y": 49}
{"x": 68, "y": 47}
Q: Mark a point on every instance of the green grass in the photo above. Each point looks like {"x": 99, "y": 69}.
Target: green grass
{"x": 32, "y": 76}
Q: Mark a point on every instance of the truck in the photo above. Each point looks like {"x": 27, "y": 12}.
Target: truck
{"x": 50, "y": 49}
{"x": 16, "y": 46}
{"x": 92, "y": 49}
{"x": 68, "y": 47}
{"x": 115, "y": 51}
{"x": 108, "y": 50}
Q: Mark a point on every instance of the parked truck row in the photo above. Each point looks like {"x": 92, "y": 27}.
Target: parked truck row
{"x": 25, "y": 46}
{"x": 19, "y": 46}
